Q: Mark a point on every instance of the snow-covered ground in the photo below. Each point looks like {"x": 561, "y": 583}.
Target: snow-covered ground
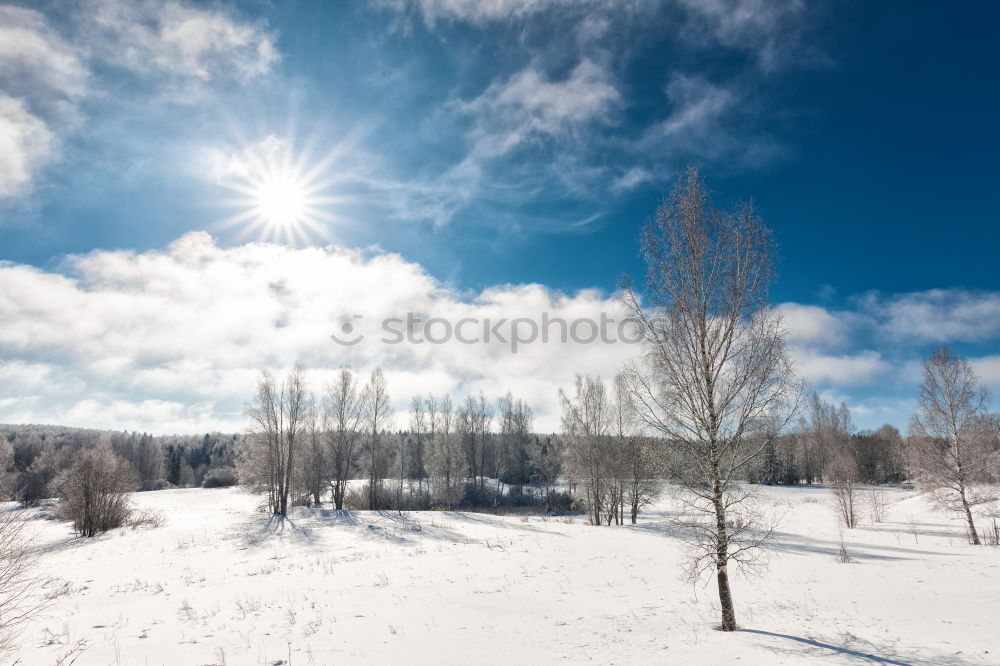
{"x": 219, "y": 583}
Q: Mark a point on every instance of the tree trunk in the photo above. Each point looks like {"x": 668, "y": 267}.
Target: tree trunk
{"x": 973, "y": 534}
{"x": 722, "y": 559}
{"x": 726, "y": 601}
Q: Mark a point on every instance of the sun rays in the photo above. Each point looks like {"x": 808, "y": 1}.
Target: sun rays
{"x": 282, "y": 196}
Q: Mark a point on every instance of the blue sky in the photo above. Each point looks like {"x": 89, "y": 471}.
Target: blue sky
{"x": 488, "y": 146}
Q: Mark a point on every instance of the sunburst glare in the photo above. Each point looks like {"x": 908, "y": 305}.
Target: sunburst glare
{"x": 281, "y": 196}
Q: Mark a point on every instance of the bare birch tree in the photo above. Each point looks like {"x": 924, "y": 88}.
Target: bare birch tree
{"x": 829, "y": 436}
{"x": 515, "y": 417}
{"x": 474, "y": 421}
{"x": 586, "y": 425}
{"x": 377, "y": 426}
{"x": 638, "y": 458}
{"x": 419, "y": 429}
{"x": 549, "y": 463}
{"x": 446, "y": 453}
{"x": 343, "y": 416}
{"x": 312, "y": 468}
{"x": 278, "y": 417}
{"x": 953, "y": 437}
{"x": 717, "y": 381}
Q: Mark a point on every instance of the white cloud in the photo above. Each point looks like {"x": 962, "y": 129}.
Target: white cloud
{"x": 771, "y": 31}
{"x": 632, "y": 178}
{"x": 987, "y": 369}
{"x": 479, "y": 11}
{"x": 42, "y": 79}
{"x": 26, "y": 146}
{"x": 839, "y": 370}
{"x": 177, "y": 38}
{"x": 36, "y": 62}
{"x": 938, "y": 315}
{"x": 707, "y": 120}
{"x": 531, "y": 105}
{"x": 45, "y": 75}
{"x": 172, "y": 340}
{"x": 696, "y": 106}
{"x": 528, "y": 110}
{"x": 813, "y": 325}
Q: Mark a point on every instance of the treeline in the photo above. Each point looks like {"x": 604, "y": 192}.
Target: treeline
{"x": 302, "y": 447}
{"x": 824, "y": 447}
{"x": 33, "y": 457}
{"x": 472, "y": 453}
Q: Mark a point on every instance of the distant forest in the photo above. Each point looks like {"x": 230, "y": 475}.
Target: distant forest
{"x": 32, "y": 456}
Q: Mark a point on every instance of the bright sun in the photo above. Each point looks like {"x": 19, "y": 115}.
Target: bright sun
{"x": 281, "y": 202}
{"x": 279, "y": 198}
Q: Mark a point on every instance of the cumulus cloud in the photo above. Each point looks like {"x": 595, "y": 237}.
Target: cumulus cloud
{"x": 987, "y": 369}
{"x": 814, "y": 325}
{"x": 839, "y": 370}
{"x": 173, "y": 339}
{"x": 938, "y": 315}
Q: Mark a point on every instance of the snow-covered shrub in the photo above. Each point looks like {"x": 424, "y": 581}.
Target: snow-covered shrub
{"x": 94, "y": 492}
{"x": 220, "y": 477}
{"x": 357, "y": 499}
{"x": 146, "y": 518}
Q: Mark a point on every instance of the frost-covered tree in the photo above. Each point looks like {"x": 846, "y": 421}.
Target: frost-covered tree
{"x": 514, "y": 435}
{"x": 953, "y": 438}
{"x": 638, "y": 459}
{"x": 474, "y": 419}
{"x": 377, "y": 426}
{"x": 446, "y": 453}
{"x": 94, "y": 492}
{"x": 277, "y": 424}
{"x": 419, "y": 430}
{"x": 586, "y": 427}
{"x": 343, "y": 415}
{"x": 548, "y": 461}
{"x": 830, "y": 435}
{"x": 312, "y": 467}
{"x": 717, "y": 381}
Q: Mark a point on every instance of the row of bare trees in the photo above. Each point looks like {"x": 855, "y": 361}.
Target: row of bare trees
{"x": 952, "y": 448}
{"x": 606, "y": 453}
{"x": 299, "y": 447}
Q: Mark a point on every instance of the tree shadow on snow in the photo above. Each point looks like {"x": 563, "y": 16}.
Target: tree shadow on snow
{"x": 785, "y": 541}
{"x": 504, "y": 522}
{"x": 889, "y": 657}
